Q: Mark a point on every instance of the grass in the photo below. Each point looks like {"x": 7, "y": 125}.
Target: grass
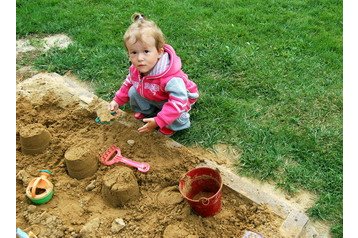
{"x": 269, "y": 72}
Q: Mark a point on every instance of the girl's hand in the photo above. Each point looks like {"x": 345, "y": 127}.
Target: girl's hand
{"x": 113, "y": 106}
{"x": 150, "y": 126}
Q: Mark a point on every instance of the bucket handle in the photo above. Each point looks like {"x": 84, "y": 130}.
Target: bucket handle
{"x": 44, "y": 173}
{"x": 204, "y": 201}
{"x": 34, "y": 186}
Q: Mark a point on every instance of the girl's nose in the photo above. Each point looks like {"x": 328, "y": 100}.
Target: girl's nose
{"x": 140, "y": 57}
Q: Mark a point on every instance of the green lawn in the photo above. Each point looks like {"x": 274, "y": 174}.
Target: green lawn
{"x": 269, "y": 72}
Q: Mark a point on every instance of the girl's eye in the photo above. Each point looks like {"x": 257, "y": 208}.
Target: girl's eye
{"x": 133, "y": 52}
{"x": 146, "y": 51}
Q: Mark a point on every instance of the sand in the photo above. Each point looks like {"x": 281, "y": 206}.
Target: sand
{"x": 80, "y": 207}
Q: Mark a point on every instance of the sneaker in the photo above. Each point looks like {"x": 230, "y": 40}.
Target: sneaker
{"x": 138, "y": 115}
{"x": 166, "y": 131}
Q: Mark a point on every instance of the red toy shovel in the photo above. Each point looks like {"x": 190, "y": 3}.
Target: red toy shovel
{"x": 113, "y": 155}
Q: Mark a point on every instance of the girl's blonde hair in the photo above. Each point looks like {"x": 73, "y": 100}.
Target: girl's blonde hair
{"x": 140, "y": 26}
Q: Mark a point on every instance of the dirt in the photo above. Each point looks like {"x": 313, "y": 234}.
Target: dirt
{"x": 80, "y": 207}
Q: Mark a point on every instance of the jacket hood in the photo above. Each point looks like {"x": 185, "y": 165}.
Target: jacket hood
{"x": 175, "y": 61}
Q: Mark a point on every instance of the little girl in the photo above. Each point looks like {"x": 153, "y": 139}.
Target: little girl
{"x": 158, "y": 91}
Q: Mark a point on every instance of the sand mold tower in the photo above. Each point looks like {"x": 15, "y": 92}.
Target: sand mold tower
{"x": 34, "y": 138}
{"x": 119, "y": 186}
{"x": 81, "y": 161}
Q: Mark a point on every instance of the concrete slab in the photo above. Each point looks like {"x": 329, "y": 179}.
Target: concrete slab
{"x": 294, "y": 223}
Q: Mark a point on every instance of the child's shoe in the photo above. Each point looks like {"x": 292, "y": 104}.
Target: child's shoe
{"x": 138, "y": 115}
{"x": 166, "y": 131}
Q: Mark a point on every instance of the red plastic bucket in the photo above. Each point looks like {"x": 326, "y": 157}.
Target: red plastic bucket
{"x": 202, "y": 188}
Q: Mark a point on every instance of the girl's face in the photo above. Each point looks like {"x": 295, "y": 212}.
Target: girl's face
{"x": 143, "y": 54}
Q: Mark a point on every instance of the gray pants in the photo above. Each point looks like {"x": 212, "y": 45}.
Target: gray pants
{"x": 151, "y": 109}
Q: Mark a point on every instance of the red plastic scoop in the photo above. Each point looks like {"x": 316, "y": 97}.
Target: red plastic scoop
{"x": 113, "y": 155}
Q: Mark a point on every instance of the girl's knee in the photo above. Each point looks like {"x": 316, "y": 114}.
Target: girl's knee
{"x": 132, "y": 92}
{"x": 184, "y": 118}
{"x": 183, "y": 122}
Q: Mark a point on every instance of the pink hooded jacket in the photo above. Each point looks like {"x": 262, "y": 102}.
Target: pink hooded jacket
{"x": 154, "y": 88}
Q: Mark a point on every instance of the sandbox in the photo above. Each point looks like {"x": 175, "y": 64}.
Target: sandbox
{"x": 82, "y": 206}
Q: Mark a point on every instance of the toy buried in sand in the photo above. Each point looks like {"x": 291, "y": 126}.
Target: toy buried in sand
{"x": 22, "y": 234}
{"x": 113, "y": 155}
{"x": 105, "y": 120}
{"x": 40, "y": 189}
